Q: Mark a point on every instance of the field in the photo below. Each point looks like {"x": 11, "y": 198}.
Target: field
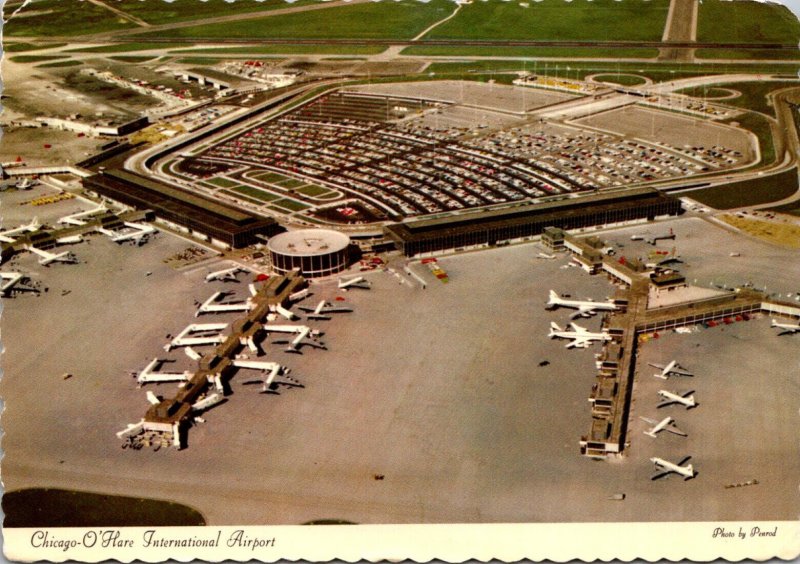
{"x": 781, "y": 233}
{"x": 556, "y": 20}
{"x": 754, "y": 95}
{"x": 397, "y": 20}
{"x": 746, "y": 22}
{"x": 125, "y": 47}
{"x": 65, "y": 18}
{"x": 772, "y": 54}
{"x": 322, "y": 49}
{"x": 747, "y": 192}
{"x": 185, "y": 10}
{"x": 511, "y": 51}
{"x": 623, "y": 79}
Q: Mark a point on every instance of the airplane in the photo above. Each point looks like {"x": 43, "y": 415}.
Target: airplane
{"x": 272, "y": 368}
{"x": 305, "y": 336}
{"x": 581, "y": 338}
{"x": 150, "y": 374}
{"x": 788, "y": 328}
{"x": 5, "y": 236}
{"x": 47, "y": 258}
{"x": 139, "y": 236}
{"x": 666, "y": 424}
{"x": 69, "y": 239}
{"x": 322, "y": 308}
{"x": 585, "y": 308}
{"x": 671, "y": 369}
{"x": 209, "y": 306}
{"x": 652, "y": 240}
{"x": 356, "y": 282}
{"x": 152, "y": 398}
{"x": 664, "y": 467}
{"x": 227, "y": 275}
{"x": 545, "y": 256}
{"x": 77, "y": 218}
{"x": 669, "y": 398}
{"x": 202, "y": 334}
{"x": 11, "y": 282}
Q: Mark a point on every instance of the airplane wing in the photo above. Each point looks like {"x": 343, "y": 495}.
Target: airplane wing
{"x": 675, "y": 431}
{"x": 654, "y": 365}
{"x": 677, "y": 371}
{"x": 578, "y": 329}
{"x": 660, "y": 474}
{"x": 578, "y": 343}
{"x": 648, "y": 420}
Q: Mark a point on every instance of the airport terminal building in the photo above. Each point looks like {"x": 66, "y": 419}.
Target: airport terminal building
{"x": 222, "y": 225}
{"x": 314, "y": 252}
{"x": 491, "y": 227}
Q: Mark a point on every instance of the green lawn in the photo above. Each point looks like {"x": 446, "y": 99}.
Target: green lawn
{"x": 255, "y": 193}
{"x": 704, "y": 92}
{"x": 557, "y": 20}
{"x": 322, "y": 49}
{"x": 291, "y": 183}
{"x": 65, "y": 17}
{"x": 746, "y": 22}
{"x": 313, "y": 191}
{"x": 290, "y": 205}
{"x": 395, "y": 20}
{"x": 514, "y": 51}
{"x": 622, "y": 79}
{"x": 198, "y": 61}
{"x": 222, "y": 182}
{"x": 754, "y": 94}
{"x": 21, "y": 47}
{"x": 759, "y": 125}
{"x": 36, "y": 58}
{"x": 160, "y": 12}
{"x": 127, "y": 47}
{"x": 747, "y": 192}
{"x": 269, "y": 177}
{"x": 60, "y": 64}
{"x": 753, "y": 54}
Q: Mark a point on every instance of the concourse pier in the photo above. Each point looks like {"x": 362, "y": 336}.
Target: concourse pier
{"x": 170, "y": 419}
{"x": 657, "y": 300}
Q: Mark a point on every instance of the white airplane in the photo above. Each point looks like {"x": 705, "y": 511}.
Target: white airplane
{"x": 210, "y": 305}
{"x": 208, "y": 402}
{"x": 581, "y": 338}
{"x": 305, "y": 336}
{"x": 289, "y": 315}
{"x": 5, "y": 236}
{"x": 664, "y": 467}
{"x": 671, "y": 369}
{"x": 585, "y": 308}
{"x": 138, "y": 236}
{"x": 47, "y": 258}
{"x": 198, "y": 334}
{"x": 11, "y": 282}
{"x": 787, "y": 328}
{"x": 228, "y": 274}
{"x": 666, "y": 424}
{"x": 150, "y": 374}
{"x": 273, "y": 369}
{"x": 69, "y": 239}
{"x": 152, "y": 398}
{"x": 322, "y": 308}
{"x": 545, "y": 256}
{"x": 669, "y": 398}
{"x": 77, "y": 218}
{"x": 356, "y": 282}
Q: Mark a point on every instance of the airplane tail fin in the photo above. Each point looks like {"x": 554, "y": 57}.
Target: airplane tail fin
{"x": 554, "y": 327}
{"x": 553, "y": 297}
{"x": 774, "y": 323}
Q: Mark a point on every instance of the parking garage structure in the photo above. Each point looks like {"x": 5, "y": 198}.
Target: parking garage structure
{"x": 314, "y": 252}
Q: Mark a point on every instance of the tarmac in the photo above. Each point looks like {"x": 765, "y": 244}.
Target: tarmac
{"x": 429, "y": 406}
